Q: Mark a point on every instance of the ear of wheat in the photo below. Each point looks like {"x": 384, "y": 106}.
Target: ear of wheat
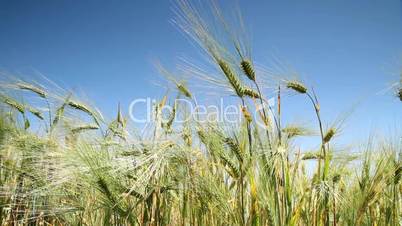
{"x": 35, "y": 112}
{"x": 250, "y": 93}
{"x": 296, "y": 86}
{"x": 120, "y": 119}
{"x": 13, "y": 103}
{"x": 328, "y": 135}
{"x": 83, "y": 108}
{"x": 84, "y": 128}
{"x": 24, "y": 86}
{"x": 231, "y": 77}
{"x": 60, "y": 111}
{"x": 311, "y": 155}
{"x": 80, "y": 107}
{"x": 172, "y": 116}
{"x": 234, "y": 147}
{"x": 233, "y": 169}
{"x": 248, "y": 69}
{"x": 183, "y": 89}
{"x": 294, "y": 131}
{"x": 246, "y": 114}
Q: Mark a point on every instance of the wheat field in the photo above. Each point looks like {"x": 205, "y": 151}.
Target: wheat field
{"x": 63, "y": 163}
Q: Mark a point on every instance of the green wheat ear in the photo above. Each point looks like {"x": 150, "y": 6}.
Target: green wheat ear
{"x": 35, "y": 112}
{"x": 226, "y": 161}
{"x": 293, "y": 131}
{"x": 84, "y": 128}
{"x": 80, "y": 107}
{"x": 248, "y": 69}
{"x": 83, "y": 108}
{"x": 120, "y": 119}
{"x": 311, "y": 155}
{"x": 24, "y": 86}
{"x": 296, "y": 86}
{"x": 60, "y": 111}
{"x": 234, "y": 147}
{"x": 13, "y": 103}
{"x": 171, "y": 118}
{"x": 328, "y": 136}
{"x": 400, "y": 94}
{"x": 202, "y": 136}
{"x": 184, "y": 90}
{"x": 231, "y": 76}
{"x": 250, "y": 92}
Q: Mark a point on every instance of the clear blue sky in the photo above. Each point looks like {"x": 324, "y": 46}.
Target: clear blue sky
{"x": 346, "y": 49}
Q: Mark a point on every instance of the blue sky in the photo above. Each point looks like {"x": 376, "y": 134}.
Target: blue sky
{"x": 348, "y": 50}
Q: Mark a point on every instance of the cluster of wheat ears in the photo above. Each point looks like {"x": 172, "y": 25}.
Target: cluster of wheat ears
{"x": 62, "y": 163}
